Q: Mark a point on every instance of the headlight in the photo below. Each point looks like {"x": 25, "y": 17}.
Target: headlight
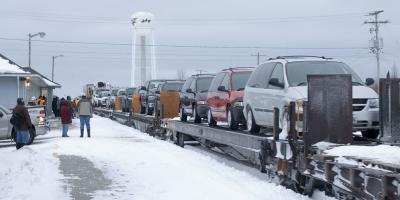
{"x": 374, "y": 103}
{"x": 40, "y": 121}
{"x": 238, "y": 104}
{"x": 201, "y": 102}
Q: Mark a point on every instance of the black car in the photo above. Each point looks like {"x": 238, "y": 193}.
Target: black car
{"x": 147, "y": 97}
{"x": 193, "y": 97}
{"x": 168, "y": 86}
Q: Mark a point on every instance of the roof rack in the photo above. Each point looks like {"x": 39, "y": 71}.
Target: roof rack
{"x": 298, "y": 56}
{"x": 203, "y": 75}
{"x": 234, "y": 68}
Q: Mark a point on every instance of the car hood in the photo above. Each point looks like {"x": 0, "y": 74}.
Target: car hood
{"x": 201, "y": 96}
{"x": 359, "y": 92}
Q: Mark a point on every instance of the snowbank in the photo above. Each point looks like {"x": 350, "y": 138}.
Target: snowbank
{"x": 381, "y": 153}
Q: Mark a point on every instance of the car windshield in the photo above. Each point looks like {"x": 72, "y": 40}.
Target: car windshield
{"x": 297, "y": 71}
{"x": 239, "y": 80}
{"x": 172, "y": 86}
{"x": 203, "y": 84}
{"x": 104, "y": 94}
{"x": 130, "y": 91}
{"x": 114, "y": 92}
{"x": 154, "y": 84}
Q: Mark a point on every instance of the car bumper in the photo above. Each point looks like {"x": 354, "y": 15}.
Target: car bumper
{"x": 41, "y": 129}
{"x": 366, "y": 119}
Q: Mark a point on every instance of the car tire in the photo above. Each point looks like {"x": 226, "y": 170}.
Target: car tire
{"x": 370, "y": 134}
{"x": 210, "y": 119}
{"x": 252, "y": 127}
{"x": 232, "y": 123}
{"x": 197, "y": 118}
{"x": 183, "y": 115}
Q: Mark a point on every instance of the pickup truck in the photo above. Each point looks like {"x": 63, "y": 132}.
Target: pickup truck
{"x": 39, "y": 126}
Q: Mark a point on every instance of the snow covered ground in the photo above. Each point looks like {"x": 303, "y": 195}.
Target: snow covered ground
{"x": 137, "y": 166}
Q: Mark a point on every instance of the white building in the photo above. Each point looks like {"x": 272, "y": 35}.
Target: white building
{"x": 18, "y": 82}
{"x": 143, "y": 49}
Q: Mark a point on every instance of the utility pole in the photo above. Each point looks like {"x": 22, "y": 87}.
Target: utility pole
{"x": 377, "y": 42}
{"x": 258, "y": 57}
{"x": 52, "y": 66}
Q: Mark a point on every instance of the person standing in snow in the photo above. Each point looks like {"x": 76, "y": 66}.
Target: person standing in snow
{"x": 54, "y": 106}
{"x": 66, "y": 117}
{"x": 85, "y": 112}
{"x": 23, "y": 123}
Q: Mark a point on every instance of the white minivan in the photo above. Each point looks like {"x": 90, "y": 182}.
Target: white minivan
{"x": 279, "y": 81}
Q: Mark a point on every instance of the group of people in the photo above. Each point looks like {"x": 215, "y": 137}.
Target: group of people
{"x": 68, "y": 109}
{"x": 22, "y": 121}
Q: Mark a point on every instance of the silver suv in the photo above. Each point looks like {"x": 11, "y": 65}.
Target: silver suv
{"x": 279, "y": 81}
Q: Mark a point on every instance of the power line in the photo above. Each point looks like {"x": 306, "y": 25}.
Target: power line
{"x": 178, "y": 46}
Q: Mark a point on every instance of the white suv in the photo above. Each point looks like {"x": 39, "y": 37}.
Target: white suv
{"x": 279, "y": 81}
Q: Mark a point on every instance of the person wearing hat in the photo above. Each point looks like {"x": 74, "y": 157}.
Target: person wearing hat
{"x": 23, "y": 125}
{"x": 85, "y": 112}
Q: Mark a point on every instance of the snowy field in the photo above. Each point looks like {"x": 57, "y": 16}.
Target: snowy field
{"x": 134, "y": 165}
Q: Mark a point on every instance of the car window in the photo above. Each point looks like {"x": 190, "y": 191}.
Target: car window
{"x": 225, "y": 81}
{"x": 187, "y": 84}
{"x": 297, "y": 71}
{"x": 131, "y": 91}
{"x": 172, "y": 86}
{"x": 203, "y": 84}
{"x": 259, "y": 77}
{"x": 277, "y": 74}
{"x": 216, "y": 81}
{"x": 193, "y": 86}
{"x": 239, "y": 80}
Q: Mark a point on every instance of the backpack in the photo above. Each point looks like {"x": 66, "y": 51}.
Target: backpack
{"x": 16, "y": 120}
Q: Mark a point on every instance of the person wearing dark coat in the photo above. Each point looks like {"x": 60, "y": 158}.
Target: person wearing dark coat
{"x": 66, "y": 117}
{"x": 54, "y": 106}
{"x": 25, "y": 123}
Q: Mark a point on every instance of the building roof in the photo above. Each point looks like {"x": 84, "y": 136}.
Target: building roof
{"x": 10, "y": 68}
{"x": 48, "y": 82}
{"x": 7, "y": 66}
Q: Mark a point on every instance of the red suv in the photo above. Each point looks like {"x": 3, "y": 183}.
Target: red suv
{"x": 225, "y": 97}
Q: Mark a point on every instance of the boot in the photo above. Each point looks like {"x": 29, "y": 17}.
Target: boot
{"x": 88, "y": 132}
{"x": 19, "y": 145}
{"x": 81, "y": 132}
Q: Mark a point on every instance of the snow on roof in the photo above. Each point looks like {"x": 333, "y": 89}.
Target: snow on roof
{"x": 9, "y": 67}
{"x": 50, "y": 83}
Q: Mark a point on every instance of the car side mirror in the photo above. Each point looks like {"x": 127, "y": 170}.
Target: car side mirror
{"x": 222, "y": 88}
{"x": 189, "y": 90}
{"x": 369, "y": 81}
{"x": 275, "y": 82}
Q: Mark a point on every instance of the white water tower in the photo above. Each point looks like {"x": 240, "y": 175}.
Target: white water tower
{"x": 143, "y": 49}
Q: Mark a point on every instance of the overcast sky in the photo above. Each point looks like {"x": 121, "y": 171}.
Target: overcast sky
{"x": 332, "y": 28}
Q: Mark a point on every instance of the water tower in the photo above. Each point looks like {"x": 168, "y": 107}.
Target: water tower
{"x": 143, "y": 49}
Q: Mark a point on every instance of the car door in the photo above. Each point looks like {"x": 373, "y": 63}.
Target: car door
{"x": 212, "y": 96}
{"x": 222, "y": 99}
{"x": 4, "y": 124}
{"x": 276, "y": 92}
{"x": 185, "y": 100}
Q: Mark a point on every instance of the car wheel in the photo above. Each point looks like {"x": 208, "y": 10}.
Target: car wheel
{"x": 252, "y": 127}
{"x": 231, "y": 120}
{"x": 210, "y": 119}
{"x": 197, "y": 118}
{"x": 370, "y": 134}
{"x": 183, "y": 115}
